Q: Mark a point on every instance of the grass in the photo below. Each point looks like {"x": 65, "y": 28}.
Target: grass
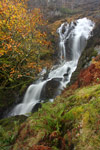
{"x": 72, "y": 121}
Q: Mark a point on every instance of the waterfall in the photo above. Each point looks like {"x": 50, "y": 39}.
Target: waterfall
{"x": 73, "y": 38}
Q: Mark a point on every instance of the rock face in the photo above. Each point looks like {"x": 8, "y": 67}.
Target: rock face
{"x": 59, "y": 3}
{"x": 68, "y": 46}
{"x": 88, "y": 53}
{"x": 66, "y": 75}
{"x": 36, "y": 107}
{"x": 50, "y": 89}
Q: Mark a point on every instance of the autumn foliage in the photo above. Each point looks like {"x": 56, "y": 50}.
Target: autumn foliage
{"x": 22, "y": 41}
{"x": 89, "y": 75}
{"x": 40, "y": 147}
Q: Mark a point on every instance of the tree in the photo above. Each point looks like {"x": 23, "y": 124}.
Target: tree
{"x": 22, "y": 41}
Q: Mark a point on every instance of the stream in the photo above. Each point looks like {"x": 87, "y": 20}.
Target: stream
{"x": 73, "y": 39}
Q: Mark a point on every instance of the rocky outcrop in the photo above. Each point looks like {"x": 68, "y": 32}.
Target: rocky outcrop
{"x": 88, "y": 53}
{"x": 50, "y": 89}
{"x": 36, "y": 107}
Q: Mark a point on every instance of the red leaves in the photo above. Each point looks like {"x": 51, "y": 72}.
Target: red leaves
{"x": 40, "y": 147}
{"x": 54, "y": 135}
{"x": 89, "y": 75}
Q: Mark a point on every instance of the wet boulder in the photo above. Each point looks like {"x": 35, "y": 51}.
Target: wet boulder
{"x": 50, "y": 89}
{"x": 36, "y": 107}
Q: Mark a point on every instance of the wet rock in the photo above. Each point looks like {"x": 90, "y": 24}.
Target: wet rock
{"x": 68, "y": 47}
{"x": 64, "y": 28}
{"x": 50, "y": 89}
{"x": 82, "y": 44}
{"x": 36, "y": 107}
{"x": 66, "y": 74}
{"x": 97, "y": 48}
{"x": 88, "y": 53}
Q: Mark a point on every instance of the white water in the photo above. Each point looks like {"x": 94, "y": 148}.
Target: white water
{"x": 78, "y": 32}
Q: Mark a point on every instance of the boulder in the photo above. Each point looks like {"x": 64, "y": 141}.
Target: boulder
{"x": 36, "y": 107}
{"x": 49, "y": 90}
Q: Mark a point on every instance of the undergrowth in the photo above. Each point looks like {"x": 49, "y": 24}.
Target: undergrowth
{"x": 7, "y": 138}
{"x": 71, "y": 122}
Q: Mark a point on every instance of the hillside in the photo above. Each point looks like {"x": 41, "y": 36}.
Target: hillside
{"x": 72, "y": 120}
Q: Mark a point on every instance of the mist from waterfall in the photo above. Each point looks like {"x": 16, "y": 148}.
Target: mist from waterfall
{"x": 73, "y": 38}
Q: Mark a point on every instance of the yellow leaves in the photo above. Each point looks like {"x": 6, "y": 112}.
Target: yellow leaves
{"x": 9, "y": 46}
{"x": 39, "y": 69}
{"x": 32, "y": 65}
{"x": 22, "y": 40}
{"x": 2, "y": 51}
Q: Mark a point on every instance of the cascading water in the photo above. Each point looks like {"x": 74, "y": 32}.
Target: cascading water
{"x": 73, "y": 39}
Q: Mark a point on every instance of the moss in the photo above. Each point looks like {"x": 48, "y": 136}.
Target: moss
{"x": 8, "y": 123}
{"x": 67, "y": 11}
{"x": 87, "y": 92}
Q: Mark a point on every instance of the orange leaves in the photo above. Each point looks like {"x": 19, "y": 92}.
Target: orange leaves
{"x": 15, "y": 73}
{"x": 89, "y": 75}
{"x": 23, "y": 39}
{"x": 31, "y": 65}
{"x": 12, "y": 71}
{"x": 96, "y": 61}
{"x": 9, "y": 46}
{"x": 40, "y": 147}
{"x": 19, "y": 76}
